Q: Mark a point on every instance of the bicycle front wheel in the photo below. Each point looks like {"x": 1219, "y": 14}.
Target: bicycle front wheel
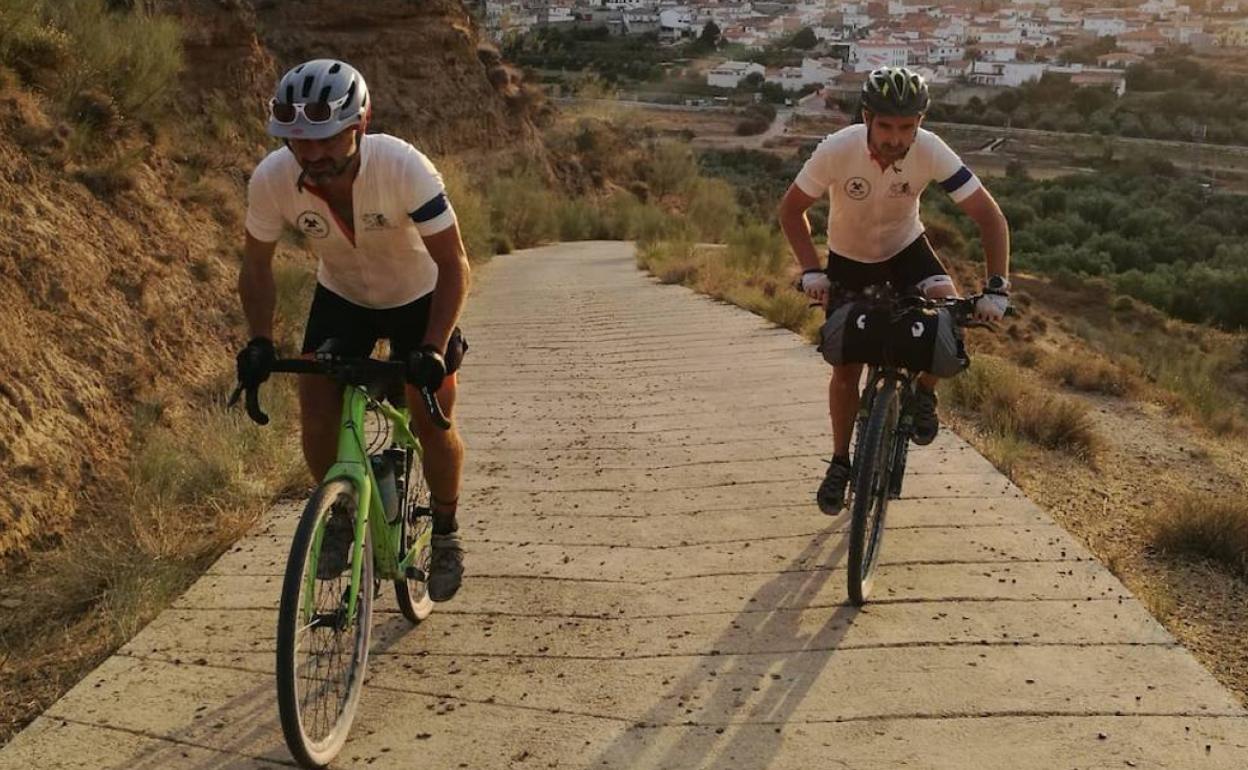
{"x": 871, "y": 491}
{"x": 322, "y": 649}
{"x": 412, "y": 590}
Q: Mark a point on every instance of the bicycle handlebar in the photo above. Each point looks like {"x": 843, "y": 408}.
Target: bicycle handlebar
{"x": 352, "y": 371}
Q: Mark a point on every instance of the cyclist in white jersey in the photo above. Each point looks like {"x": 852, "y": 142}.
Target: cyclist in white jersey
{"x": 874, "y": 173}
{"x": 391, "y": 265}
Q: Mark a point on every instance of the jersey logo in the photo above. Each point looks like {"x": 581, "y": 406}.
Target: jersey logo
{"x": 900, "y": 190}
{"x": 375, "y": 221}
{"x": 857, "y": 188}
{"x": 917, "y": 329}
{"x": 312, "y": 224}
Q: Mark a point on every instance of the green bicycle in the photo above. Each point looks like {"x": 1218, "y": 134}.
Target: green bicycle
{"x": 368, "y": 521}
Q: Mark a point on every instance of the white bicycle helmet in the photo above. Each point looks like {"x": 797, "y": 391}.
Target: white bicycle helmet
{"x": 317, "y": 100}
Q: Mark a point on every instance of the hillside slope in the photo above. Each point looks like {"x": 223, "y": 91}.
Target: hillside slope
{"x": 94, "y": 287}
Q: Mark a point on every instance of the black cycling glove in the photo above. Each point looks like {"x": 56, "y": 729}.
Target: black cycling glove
{"x": 426, "y": 368}
{"x": 255, "y": 362}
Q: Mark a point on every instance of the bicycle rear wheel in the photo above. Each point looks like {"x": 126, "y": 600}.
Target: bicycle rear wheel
{"x": 412, "y": 591}
{"x": 321, "y": 651}
{"x": 871, "y": 491}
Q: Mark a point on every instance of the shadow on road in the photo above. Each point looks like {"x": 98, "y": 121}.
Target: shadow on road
{"x": 745, "y": 693}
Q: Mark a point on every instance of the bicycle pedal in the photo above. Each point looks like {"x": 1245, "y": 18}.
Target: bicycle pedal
{"x": 417, "y": 574}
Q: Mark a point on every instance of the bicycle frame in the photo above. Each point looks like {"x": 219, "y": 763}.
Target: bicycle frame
{"x": 353, "y": 464}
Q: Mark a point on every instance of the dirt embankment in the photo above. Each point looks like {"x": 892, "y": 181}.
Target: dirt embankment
{"x": 117, "y": 282}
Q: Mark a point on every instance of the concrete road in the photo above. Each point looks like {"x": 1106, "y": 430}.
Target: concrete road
{"x": 651, "y": 586}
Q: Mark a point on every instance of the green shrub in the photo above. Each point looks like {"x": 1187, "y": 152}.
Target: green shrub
{"x": 522, "y": 209}
{"x": 133, "y": 55}
{"x": 669, "y": 168}
{"x": 757, "y": 248}
{"x": 712, "y": 208}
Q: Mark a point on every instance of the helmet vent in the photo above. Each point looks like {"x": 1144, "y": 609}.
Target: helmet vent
{"x": 308, "y": 82}
{"x": 333, "y": 70}
{"x": 346, "y": 106}
{"x": 324, "y": 97}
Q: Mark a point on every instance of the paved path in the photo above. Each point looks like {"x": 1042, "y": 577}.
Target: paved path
{"x": 651, "y": 587}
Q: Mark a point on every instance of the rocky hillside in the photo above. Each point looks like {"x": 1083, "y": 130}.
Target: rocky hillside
{"x": 117, "y": 274}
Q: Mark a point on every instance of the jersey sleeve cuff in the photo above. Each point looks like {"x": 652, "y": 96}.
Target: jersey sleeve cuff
{"x": 961, "y": 185}
{"x": 437, "y": 223}
{"x": 262, "y": 233}
{"x": 807, "y": 184}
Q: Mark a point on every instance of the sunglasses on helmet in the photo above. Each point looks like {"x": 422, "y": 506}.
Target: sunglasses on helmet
{"x": 313, "y": 112}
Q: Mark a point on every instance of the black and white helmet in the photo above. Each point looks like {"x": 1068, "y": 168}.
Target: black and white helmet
{"x": 317, "y": 100}
{"x": 895, "y": 91}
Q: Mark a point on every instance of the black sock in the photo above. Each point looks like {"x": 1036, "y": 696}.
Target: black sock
{"x": 841, "y": 460}
{"x": 444, "y": 522}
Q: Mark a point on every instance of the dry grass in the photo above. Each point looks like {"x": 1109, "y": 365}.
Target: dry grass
{"x": 753, "y": 280}
{"x": 1195, "y": 366}
{"x": 1091, "y": 375}
{"x": 197, "y": 480}
{"x": 1004, "y": 402}
{"x": 1206, "y": 526}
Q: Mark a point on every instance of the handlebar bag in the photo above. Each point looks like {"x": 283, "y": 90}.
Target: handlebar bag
{"x": 915, "y": 338}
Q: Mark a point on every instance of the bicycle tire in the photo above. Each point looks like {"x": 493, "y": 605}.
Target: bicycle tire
{"x": 314, "y": 731}
{"x": 412, "y": 594}
{"x": 871, "y": 491}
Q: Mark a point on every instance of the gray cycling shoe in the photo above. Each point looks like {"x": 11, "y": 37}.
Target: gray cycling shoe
{"x": 831, "y": 494}
{"x": 446, "y": 566}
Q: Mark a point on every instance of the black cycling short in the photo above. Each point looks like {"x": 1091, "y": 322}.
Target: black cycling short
{"x": 907, "y": 269}
{"x": 358, "y": 328}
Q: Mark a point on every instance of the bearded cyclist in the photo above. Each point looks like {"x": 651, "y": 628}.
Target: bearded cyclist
{"x": 874, "y": 173}
{"x": 391, "y": 265}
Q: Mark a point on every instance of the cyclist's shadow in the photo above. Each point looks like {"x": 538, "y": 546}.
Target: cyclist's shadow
{"x": 773, "y": 613}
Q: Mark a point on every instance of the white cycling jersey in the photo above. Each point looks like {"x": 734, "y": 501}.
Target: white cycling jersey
{"x": 875, "y": 212}
{"x": 379, "y": 260}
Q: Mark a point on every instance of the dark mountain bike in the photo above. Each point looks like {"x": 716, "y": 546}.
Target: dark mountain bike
{"x": 884, "y": 427}
{"x": 368, "y": 521}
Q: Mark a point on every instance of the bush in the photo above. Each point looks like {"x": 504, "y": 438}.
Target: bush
{"x": 522, "y": 210}
{"x": 997, "y": 395}
{"x": 1206, "y": 526}
{"x": 752, "y": 126}
{"x": 757, "y": 248}
{"x": 669, "y": 168}
{"x": 712, "y": 208}
{"x": 133, "y": 55}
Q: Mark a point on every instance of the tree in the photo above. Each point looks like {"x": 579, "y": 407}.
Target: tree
{"x": 751, "y": 82}
{"x": 804, "y": 39}
{"x": 710, "y": 36}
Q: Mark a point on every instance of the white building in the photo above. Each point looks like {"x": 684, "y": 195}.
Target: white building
{"x": 730, "y": 73}
{"x": 1012, "y": 74}
{"x": 820, "y": 72}
{"x": 1105, "y": 25}
{"x": 871, "y": 53}
{"x": 997, "y": 52}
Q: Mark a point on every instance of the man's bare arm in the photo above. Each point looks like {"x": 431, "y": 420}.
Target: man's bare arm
{"x": 256, "y": 287}
{"x": 796, "y": 227}
{"x": 447, "y": 250}
{"x": 994, "y": 231}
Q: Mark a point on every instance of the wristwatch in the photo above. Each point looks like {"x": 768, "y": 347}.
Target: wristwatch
{"x": 997, "y": 284}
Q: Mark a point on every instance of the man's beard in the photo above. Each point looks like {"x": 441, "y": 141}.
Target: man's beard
{"x": 325, "y": 172}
